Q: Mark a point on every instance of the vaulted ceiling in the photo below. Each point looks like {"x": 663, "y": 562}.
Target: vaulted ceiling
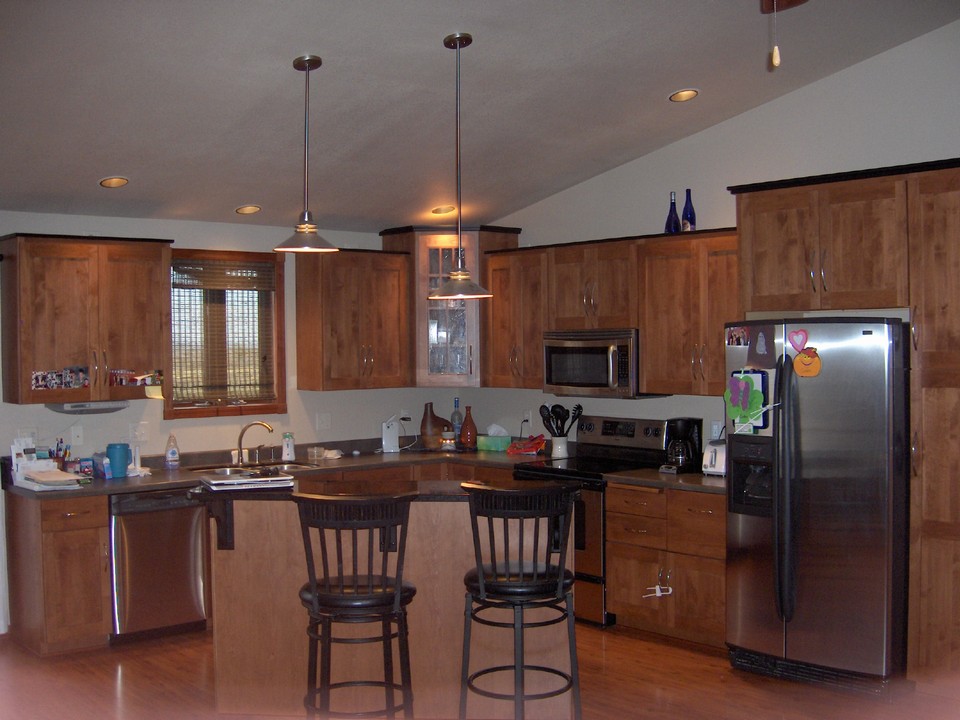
{"x": 197, "y": 102}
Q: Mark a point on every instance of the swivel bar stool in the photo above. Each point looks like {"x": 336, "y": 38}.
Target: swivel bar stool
{"x": 354, "y": 548}
{"x": 520, "y": 535}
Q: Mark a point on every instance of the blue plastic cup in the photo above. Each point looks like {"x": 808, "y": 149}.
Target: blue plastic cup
{"x": 120, "y": 457}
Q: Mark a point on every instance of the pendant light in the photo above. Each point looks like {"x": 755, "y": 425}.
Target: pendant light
{"x": 305, "y": 238}
{"x": 458, "y": 285}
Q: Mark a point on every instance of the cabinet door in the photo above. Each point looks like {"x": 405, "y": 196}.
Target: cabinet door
{"x": 56, "y": 327}
{"x": 697, "y": 523}
{"x": 699, "y": 598}
{"x": 344, "y": 284}
{"x": 500, "y": 333}
{"x": 632, "y": 572}
{"x": 863, "y": 244}
{"x": 386, "y": 323}
{"x": 570, "y": 285}
{"x": 76, "y": 581}
{"x": 613, "y": 299}
{"x": 671, "y": 317}
{"x": 719, "y": 304}
{"x": 134, "y": 286}
{"x": 778, "y": 249}
{"x": 514, "y": 319}
{"x": 934, "y": 226}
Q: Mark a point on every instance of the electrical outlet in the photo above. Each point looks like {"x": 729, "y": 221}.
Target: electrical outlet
{"x": 405, "y": 415}
{"x": 323, "y": 421}
{"x": 76, "y": 435}
{"x": 528, "y": 416}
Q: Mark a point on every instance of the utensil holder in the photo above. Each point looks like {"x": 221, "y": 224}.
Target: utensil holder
{"x": 558, "y": 447}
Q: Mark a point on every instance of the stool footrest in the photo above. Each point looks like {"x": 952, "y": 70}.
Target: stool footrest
{"x": 567, "y": 684}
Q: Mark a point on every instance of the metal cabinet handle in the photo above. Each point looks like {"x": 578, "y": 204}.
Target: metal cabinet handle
{"x": 703, "y": 352}
{"x": 636, "y": 532}
{"x": 371, "y": 357}
{"x": 68, "y": 515}
{"x": 813, "y": 272}
{"x": 106, "y": 369}
{"x": 915, "y": 328}
{"x": 594, "y": 305}
{"x": 583, "y": 296}
{"x": 96, "y": 369}
{"x": 470, "y": 359}
{"x": 915, "y": 454}
{"x": 823, "y": 275}
{"x": 693, "y": 362}
{"x": 699, "y": 512}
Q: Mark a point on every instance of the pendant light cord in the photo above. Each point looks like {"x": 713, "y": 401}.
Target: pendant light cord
{"x": 306, "y": 140}
{"x": 459, "y": 192}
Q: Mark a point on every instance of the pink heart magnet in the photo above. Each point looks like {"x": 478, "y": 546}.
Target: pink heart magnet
{"x": 798, "y": 339}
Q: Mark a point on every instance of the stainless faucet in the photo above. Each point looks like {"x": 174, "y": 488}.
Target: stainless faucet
{"x": 240, "y": 437}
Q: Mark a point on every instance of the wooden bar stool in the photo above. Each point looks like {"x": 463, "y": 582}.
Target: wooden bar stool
{"x": 520, "y": 535}
{"x": 354, "y": 548}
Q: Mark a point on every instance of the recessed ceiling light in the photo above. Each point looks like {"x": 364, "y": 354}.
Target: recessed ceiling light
{"x": 443, "y": 210}
{"x": 684, "y": 95}
{"x": 247, "y": 209}
{"x": 114, "y": 181}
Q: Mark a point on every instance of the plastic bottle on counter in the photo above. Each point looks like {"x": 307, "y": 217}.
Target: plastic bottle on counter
{"x": 171, "y": 458}
{"x": 287, "y": 451}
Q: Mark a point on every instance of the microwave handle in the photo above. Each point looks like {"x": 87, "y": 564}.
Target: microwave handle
{"x": 613, "y": 356}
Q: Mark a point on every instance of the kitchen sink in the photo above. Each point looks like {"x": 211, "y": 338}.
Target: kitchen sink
{"x": 261, "y": 470}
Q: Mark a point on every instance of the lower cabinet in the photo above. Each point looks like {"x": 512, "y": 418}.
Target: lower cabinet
{"x": 59, "y": 570}
{"x": 665, "y": 561}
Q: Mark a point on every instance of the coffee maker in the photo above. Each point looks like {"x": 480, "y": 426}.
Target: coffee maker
{"x": 684, "y": 445}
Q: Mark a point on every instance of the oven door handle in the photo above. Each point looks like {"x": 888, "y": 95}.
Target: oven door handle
{"x": 579, "y": 525}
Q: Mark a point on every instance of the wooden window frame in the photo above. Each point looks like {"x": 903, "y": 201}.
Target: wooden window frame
{"x": 224, "y": 408}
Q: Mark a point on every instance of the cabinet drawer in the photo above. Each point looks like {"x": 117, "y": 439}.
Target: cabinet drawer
{"x": 636, "y": 500}
{"x": 697, "y": 523}
{"x": 73, "y": 513}
{"x": 637, "y": 530}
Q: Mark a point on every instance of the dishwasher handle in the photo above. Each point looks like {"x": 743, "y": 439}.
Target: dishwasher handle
{"x": 151, "y": 501}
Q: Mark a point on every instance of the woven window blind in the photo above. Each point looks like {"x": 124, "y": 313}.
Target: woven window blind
{"x": 222, "y": 324}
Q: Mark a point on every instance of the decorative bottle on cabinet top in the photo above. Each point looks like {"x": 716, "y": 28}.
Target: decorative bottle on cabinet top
{"x": 673, "y": 220}
{"x": 468, "y": 432}
{"x": 688, "y": 220}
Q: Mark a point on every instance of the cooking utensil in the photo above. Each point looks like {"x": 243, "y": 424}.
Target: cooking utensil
{"x": 574, "y": 416}
{"x": 548, "y": 420}
{"x": 560, "y": 416}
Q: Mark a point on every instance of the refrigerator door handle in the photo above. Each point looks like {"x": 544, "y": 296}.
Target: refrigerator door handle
{"x": 784, "y": 473}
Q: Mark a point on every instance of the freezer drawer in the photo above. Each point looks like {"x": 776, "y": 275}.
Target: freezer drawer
{"x": 159, "y": 562}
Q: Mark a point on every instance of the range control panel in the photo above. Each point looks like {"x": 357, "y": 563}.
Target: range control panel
{"x": 622, "y": 432}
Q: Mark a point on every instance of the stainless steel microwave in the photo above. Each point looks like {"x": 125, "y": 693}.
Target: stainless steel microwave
{"x": 591, "y": 363}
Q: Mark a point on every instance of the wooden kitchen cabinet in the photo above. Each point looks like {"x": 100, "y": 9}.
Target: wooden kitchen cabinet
{"x": 933, "y": 630}
{"x": 592, "y": 285}
{"x": 514, "y": 319}
{"x": 674, "y": 539}
{"x": 446, "y": 333}
{"x": 829, "y": 246}
{"x": 78, "y": 311}
{"x": 59, "y": 568}
{"x": 690, "y": 289}
{"x": 353, "y": 320}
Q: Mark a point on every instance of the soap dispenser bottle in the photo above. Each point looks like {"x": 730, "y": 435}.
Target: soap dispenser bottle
{"x": 287, "y": 452}
{"x": 171, "y": 458}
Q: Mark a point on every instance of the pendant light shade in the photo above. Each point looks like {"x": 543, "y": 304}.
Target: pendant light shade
{"x": 305, "y": 238}
{"x": 459, "y": 286}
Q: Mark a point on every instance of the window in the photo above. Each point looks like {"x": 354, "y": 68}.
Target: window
{"x": 226, "y": 334}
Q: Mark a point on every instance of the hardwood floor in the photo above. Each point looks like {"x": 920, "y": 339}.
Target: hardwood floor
{"x": 624, "y": 674}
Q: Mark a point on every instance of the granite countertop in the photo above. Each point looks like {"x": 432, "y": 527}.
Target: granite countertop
{"x": 652, "y": 477}
{"x": 184, "y": 478}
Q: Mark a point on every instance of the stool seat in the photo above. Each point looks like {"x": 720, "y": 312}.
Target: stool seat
{"x": 352, "y": 594}
{"x": 526, "y": 584}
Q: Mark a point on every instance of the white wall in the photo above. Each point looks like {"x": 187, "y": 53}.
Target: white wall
{"x": 884, "y": 111}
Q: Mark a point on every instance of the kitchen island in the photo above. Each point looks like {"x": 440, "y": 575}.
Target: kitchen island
{"x": 259, "y": 629}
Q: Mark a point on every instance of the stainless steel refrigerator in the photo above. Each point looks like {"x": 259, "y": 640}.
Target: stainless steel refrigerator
{"x": 817, "y": 449}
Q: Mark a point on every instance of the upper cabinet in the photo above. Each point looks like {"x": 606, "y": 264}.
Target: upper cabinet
{"x": 592, "y": 285}
{"x": 830, "y": 246}
{"x": 690, "y": 285}
{"x": 80, "y": 316}
{"x": 446, "y": 332}
{"x": 514, "y": 319}
{"x": 353, "y": 320}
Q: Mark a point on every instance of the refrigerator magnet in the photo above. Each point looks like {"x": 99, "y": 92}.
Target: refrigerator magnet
{"x": 807, "y": 363}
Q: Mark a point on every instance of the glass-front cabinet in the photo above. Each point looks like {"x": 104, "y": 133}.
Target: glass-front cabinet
{"x": 447, "y": 332}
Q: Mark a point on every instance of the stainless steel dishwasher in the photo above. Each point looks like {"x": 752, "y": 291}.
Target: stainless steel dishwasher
{"x": 159, "y": 555}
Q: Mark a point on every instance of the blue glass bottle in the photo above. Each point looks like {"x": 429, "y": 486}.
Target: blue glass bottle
{"x": 673, "y": 220}
{"x": 689, "y": 218}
